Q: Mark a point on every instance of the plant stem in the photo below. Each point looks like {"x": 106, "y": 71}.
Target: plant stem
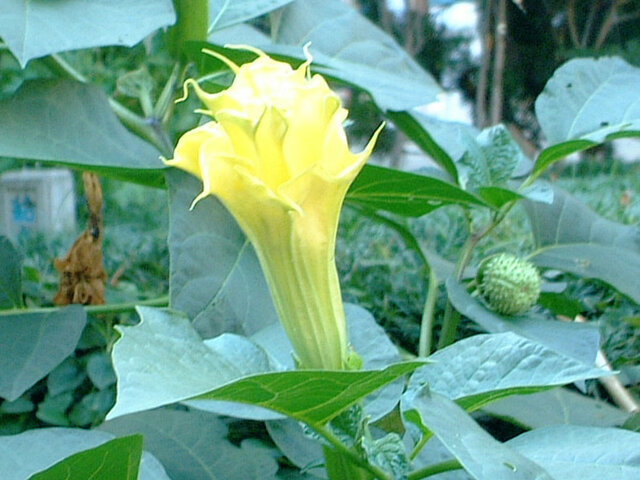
{"x": 426, "y": 324}
{"x": 420, "y": 445}
{"x": 191, "y": 26}
{"x": 347, "y": 454}
{"x": 95, "y": 309}
{"x": 451, "y": 316}
{"x": 434, "y": 469}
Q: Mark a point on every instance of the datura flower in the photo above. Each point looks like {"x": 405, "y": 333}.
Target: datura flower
{"x": 276, "y": 155}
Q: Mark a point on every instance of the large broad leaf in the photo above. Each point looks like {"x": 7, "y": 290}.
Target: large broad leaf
{"x": 70, "y": 123}
{"x": 345, "y": 47}
{"x": 195, "y": 445}
{"x": 34, "y": 29}
{"x": 366, "y": 337}
{"x": 619, "y": 268}
{"x": 162, "y": 360}
{"x": 33, "y": 344}
{"x": 350, "y": 46}
{"x": 567, "y": 220}
{"x": 586, "y": 102}
{"x": 484, "y": 368}
{"x": 576, "y": 239}
{"x": 224, "y": 13}
{"x": 423, "y": 130}
{"x": 479, "y": 453}
{"x": 215, "y": 275}
{"x": 555, "y": 407}
{"x": 404, "y": 193}
{"x": 36, "y": 450}
{"x": 118, "y": 458}
{"x": 587, "y": 453}
{"x": 10, "y": 275}
{"x": 577, "y": 340}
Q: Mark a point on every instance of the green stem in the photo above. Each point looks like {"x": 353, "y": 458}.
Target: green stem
{"x": 451, "y": 316}
{"x": 340, "y": 454}
{"x": 420, "y": 445}
{"x": 191, "y": 25}
{"x": 426, "y": 324}
{"x": 435, "y": 469}
{"x": 95, "y": 309}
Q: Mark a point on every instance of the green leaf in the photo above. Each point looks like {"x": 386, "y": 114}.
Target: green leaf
{"x": 100, "y": 370}
{"x": 299, "y": 447}
{"x": 224, "y": 13}
{"x": 194, "y": 445}
{"x": 498, "y": 196}
{"x": 405, "y": 193}
{"x": 215, "y": 275}
{"x": 53, "y": 409}
{"x": 423, "y": 130}
{"x": 368, "y": 340}
{"x": 312, "y": 397}
{"x": 587, "y": 95}
{"x": 10, "y": 275}
{"x": 587, "y": 453}
{"x": 479, "y": 453}
{"x": 491, "y": 159}
{"x": 33, "y": 344}
{"x": 618, "y": 268}
{"x": 481, "y": 369}
{"x": 554, "y": 407}
{"x": 586, "y": 102}
{"x": 551, "y": 226}
{"x": 577, "y": 340}
{"x": 70, "y": 123}
{"x": 65, "y": 377}
{"x": 389, "y": 453}
{"x": 35, "y": 29}
{"x": 162, "y": 360}
{"x": 346, "y": 47}
{"x": 118, "y": 458}
{"x": 36, "y": 450}
{"x": 92, "y": 408}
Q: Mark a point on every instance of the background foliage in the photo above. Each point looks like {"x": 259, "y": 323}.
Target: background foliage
{"x": 102, "y": 99}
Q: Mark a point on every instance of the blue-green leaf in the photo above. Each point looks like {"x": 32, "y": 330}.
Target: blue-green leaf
{"x": 33, "y": 344}
{"x": 587, "y": 453}
{"x": 35, "y": 29}
{"x": 484, "y": 368}
{"x": 70, "y": 123}
{"x": 479, "y": 453}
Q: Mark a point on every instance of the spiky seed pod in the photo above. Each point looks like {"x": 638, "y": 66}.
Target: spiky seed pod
{"x": 510, "y": 285}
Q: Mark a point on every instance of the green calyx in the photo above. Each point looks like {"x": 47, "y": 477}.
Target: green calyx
{"x": 510, "y": 285}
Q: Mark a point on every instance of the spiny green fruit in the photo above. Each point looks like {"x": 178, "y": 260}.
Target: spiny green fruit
{"x": 510, "y": 285}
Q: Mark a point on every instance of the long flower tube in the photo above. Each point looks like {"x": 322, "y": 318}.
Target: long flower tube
{"x": 276, "y": 155}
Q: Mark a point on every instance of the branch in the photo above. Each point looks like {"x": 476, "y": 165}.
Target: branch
{"x": 612, "y": 384}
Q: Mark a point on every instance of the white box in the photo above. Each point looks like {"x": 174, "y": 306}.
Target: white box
{"x": 37, "y": 199}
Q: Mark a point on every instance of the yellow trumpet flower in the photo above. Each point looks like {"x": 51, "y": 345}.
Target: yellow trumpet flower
{"x": 276, "y": 155}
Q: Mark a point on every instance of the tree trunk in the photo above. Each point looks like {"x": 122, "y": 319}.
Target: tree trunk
{"x": 483, "y": 74}
{"x": 498, "y": 62}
